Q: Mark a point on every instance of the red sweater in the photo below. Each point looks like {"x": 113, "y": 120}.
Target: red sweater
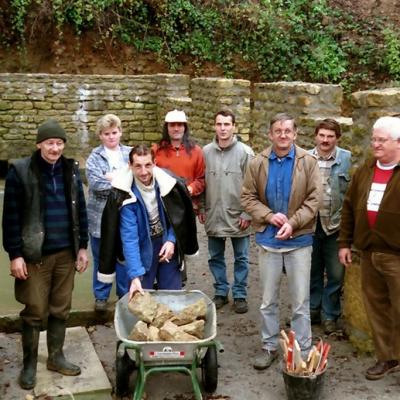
{"x": 191, "y": 167}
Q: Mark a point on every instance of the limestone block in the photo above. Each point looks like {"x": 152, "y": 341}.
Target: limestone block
{"x": 143, "y": 306}
{"x": 115, "y": 105}
{"x": 140, "y": 332}
{"x": 190, "y": 313}
{"x": 152, "y": 136}
{"x": 358, "y": 326}
{"x": 130, "y": 105}
{"x": 171, "y": 332}
{"x": 22, "y": 105}
{"x": 14, "y": 96}
{"x": 42, "y": 105}
{"x": 5, "y": 105}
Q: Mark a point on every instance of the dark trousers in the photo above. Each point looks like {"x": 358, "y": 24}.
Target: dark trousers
{"x": 380, "y": 280}
{"x": 48, "y": 289}
{"x": 168, "y": 275}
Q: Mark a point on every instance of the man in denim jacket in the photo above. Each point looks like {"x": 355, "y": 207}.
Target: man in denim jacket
{"x": 334, "y": 164}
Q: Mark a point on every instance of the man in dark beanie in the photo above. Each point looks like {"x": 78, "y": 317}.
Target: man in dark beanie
{"x": 45, "y": 235}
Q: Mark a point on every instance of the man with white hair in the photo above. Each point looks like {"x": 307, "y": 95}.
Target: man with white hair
{"x": 371, "y": 222}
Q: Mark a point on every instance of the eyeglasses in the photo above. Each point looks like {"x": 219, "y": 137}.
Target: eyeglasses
{"x": 379, "y": 140}
{"x": 286, "y": 132}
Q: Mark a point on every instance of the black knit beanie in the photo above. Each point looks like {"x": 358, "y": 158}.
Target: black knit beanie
{"x": 50, "y": 129}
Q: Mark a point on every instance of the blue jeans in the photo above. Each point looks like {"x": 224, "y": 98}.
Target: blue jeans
{"x": 325, "y": 259}
{"x": 297, "y": 264}
{"x": 167, "y": 274}
{"x": 102, "y": 290}
{"x": 216, "y": 262}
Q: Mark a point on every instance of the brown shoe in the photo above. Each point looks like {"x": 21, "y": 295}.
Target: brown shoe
{"x": 381, "y": 368}
{"x": 329, "y": 326}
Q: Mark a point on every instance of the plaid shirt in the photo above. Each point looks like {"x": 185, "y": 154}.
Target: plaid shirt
{"x": 99, "y": 187}
{"x": 325, "y": 165}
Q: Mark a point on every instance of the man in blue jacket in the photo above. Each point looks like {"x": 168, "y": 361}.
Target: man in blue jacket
{"x": 156, "y": 225}
{"x": 334, "y": 165}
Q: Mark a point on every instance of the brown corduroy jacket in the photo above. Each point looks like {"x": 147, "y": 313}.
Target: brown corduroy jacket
{"x": 354, "y": 227}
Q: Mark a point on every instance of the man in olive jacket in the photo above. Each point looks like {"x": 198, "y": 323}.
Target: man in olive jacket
{"x": 371, "y": 222}
{"x": 281, "y": 192}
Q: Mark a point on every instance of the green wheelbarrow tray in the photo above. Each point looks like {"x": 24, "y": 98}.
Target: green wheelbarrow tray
{"x": 152, "y": 357}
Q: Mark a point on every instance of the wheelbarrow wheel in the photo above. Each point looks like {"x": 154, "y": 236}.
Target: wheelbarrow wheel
{"x": 124, "y": 366}
{"x": 209, "y": 370}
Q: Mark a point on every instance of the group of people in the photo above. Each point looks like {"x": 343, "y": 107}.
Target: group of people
{"x": 304, "y": 208}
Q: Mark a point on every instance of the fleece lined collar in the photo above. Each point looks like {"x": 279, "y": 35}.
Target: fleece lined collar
{"x": 124, "y": 179}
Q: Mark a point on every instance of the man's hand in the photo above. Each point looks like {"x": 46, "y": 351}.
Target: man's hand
{"x": 18, "y": 268}
{"x": 136, "y": 286}
{"x": 166, "y": 252}
{"x": 278, "y": 219}
{"x": 244, "y": 223}
{"x": 285, "y": 232}
{"x": 345, "y": 256}
{"x": 82, "y": 261}
{"x": 202, "y": 218}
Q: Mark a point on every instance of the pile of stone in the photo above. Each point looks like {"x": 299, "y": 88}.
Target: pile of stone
{"x": 157, "y": 322}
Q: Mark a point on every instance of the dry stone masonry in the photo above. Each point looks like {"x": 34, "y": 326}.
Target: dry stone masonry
{"x": 77, "y": 101}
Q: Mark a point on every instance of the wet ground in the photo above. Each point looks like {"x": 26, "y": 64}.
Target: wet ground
{"x": 239, "y": 335}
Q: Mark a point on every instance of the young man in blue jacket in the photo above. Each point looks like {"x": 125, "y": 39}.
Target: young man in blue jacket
{"x": 154, "y": 227}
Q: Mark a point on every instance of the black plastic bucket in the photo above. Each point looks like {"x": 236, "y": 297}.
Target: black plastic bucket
{"x": 303, "y": 387}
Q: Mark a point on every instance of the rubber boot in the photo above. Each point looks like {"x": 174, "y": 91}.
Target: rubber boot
{"x": 55, "y": 343}
{"x": 30, "y": 344}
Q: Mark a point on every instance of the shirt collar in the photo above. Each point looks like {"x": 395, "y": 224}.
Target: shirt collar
{"x": 331, "y": 156}
{"x": 290, "y": 155}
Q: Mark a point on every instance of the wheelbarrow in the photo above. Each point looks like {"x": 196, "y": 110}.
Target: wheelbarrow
{"x": 147, "y": 358}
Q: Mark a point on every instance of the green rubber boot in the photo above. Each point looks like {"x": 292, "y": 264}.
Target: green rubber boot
{"x": 55, "y": 343}
{"x": 30, "y": 344}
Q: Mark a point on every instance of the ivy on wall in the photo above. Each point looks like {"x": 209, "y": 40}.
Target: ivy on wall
{"x": 282, "y": 39}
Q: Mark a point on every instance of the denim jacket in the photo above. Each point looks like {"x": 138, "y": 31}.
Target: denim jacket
{"x": 99, "y": 187}
{"x": 338, "y": 181}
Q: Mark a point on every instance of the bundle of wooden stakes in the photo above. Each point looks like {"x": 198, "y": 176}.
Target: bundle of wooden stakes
{"x": 317, "y": 359}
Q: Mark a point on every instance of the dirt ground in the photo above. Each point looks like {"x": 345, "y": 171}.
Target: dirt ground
{"x": 240, "y": 337}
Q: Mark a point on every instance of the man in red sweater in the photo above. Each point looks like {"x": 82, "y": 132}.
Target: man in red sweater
{"x": 371, "y": 222}
{"x": 179, "y": 153}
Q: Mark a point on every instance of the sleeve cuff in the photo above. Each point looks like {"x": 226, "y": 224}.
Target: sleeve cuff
{"x": 106, "y": 278}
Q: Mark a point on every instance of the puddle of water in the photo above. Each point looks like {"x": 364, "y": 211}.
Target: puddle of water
{"x": 82, "y": 298}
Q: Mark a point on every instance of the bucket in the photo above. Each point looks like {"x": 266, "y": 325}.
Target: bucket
{"x": 303, "y": 387}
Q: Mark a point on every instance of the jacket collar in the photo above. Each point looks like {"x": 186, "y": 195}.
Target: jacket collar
{"x": 216, "y": 145}
{"x": 124, "y": 180}
{"x": 299, "y": 152}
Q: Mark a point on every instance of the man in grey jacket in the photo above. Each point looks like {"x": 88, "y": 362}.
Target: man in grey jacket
{"x": 226, "y": 162}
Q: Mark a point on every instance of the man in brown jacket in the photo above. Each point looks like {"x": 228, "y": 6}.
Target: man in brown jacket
{"x": 371, "y": 222}
{"x": 281, "y": 192}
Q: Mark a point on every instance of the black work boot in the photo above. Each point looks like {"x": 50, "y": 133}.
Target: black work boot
{"x": 55, "y": 343}
{"x": 30, "y": 344}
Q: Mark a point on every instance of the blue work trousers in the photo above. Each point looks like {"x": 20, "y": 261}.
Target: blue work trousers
{"x": 102, "y": 290}
{"x": 327, "y": 275}
{"x": 217, "y": 265}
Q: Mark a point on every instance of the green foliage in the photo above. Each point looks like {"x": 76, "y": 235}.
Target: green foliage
{"x": 392, "y": 51}
{"x": 280, "y": 39}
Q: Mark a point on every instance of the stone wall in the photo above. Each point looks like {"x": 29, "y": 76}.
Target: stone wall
{"x": 141, "y": 102}
{"x": 307, "y": 102}
{"x": 368, "y": 106}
